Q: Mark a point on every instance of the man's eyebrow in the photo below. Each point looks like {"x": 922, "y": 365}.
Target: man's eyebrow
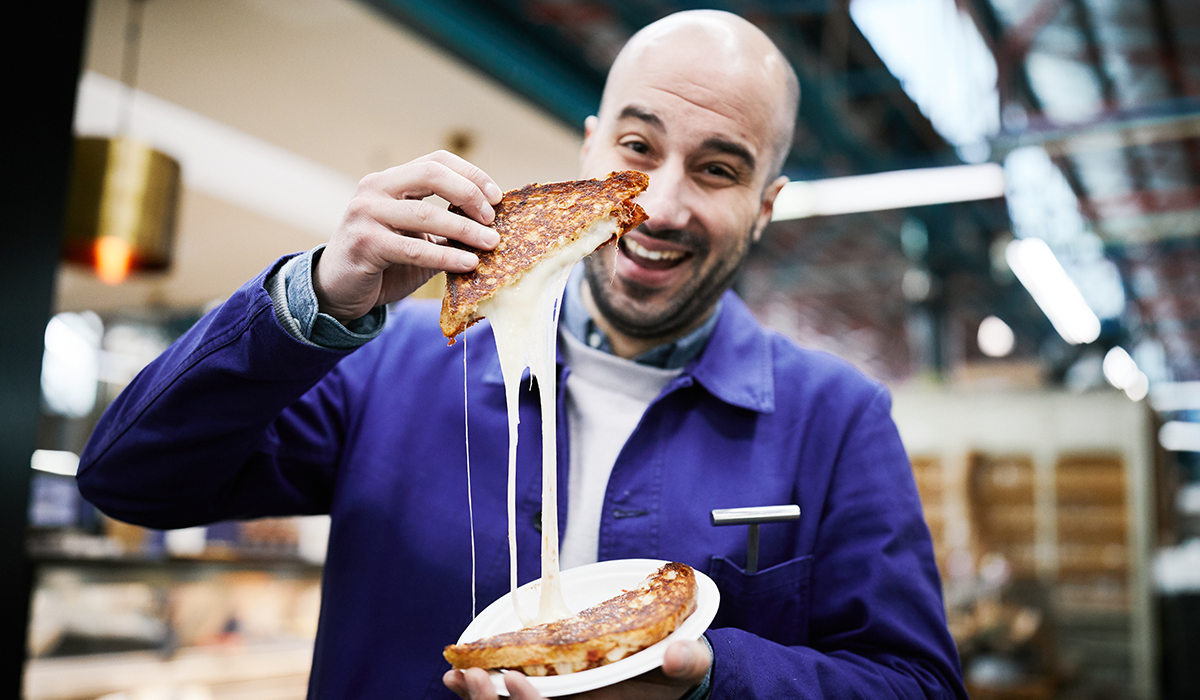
{"x": 737, "y": 150}
{"x": 635, "y": 112}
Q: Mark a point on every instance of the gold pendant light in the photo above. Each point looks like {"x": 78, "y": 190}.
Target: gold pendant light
{"x": 123, "y": 201}
{"x": 122, "y": 209}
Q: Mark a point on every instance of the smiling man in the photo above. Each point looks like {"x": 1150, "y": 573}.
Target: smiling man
{"x": 293, "y": 398}
{"x": 706, "y": 105}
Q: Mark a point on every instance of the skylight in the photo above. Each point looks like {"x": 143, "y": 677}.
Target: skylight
{"x": 942, "y": 62}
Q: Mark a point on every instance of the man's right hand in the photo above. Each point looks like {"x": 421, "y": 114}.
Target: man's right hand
{"x": 390, "y": 241}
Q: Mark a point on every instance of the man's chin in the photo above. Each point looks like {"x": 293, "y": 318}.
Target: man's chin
{"x": 633, "y": 307}
{"x": 635, "y": 310}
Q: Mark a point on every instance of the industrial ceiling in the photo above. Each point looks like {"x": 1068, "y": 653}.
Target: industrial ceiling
{"x": 1108, "y": 89}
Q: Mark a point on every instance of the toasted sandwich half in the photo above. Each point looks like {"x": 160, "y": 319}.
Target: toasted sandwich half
{"x": 600, "y": 635}
{"x": 539, "y": 225}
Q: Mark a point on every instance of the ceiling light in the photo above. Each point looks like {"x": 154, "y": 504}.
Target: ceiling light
{"x": 1175, "y": 396}
{"x": 1119, "y": 368}
{"x": 55, "y": 462}
{"x": 1037, "y": 268}
{"x": 1139, "y": 387}
{"x": 1041, "y": 204}
{"x": 123, "y": 196}
{"x": 995, "y": 337}
{"x": 936, "y": 52}
{"x": 121, "y": 213}
{"x": 898, "y": 189}
{"x": 916, "y": 284}
{"x": 1178, "y": 436}
{"x": 70, "y": 363}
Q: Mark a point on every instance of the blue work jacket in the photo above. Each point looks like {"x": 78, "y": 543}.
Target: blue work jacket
{"x": 239, "y": 419}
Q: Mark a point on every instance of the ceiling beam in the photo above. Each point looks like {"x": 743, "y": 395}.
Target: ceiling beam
{"x": 504, "y": 48}
{"x": 1171, "y": 120}
{"x": 1173, "y": 68}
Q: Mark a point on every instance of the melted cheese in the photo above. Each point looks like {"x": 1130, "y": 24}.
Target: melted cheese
{"x": 524, "y": 318}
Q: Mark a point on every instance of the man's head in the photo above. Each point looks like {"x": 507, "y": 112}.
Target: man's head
{"x": 705, "y": 104}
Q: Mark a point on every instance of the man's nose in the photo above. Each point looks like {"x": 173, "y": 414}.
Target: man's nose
{"x": 666, "y": 199}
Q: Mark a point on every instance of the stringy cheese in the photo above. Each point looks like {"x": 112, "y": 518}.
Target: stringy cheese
{"x": 524, "y": 318}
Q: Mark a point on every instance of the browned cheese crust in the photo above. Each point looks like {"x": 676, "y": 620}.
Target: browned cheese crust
{"x": 533, "y": 221}
{"x": 597, "y": 636}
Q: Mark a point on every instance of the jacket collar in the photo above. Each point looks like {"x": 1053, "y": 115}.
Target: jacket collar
{"x": 736, "y": 365}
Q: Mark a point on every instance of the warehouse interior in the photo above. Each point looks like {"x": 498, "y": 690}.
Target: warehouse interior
{"x": 1055, "y": 451}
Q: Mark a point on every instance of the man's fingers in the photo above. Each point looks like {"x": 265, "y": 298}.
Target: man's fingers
{"x": 485, "y": 184}
{"x": 454, "y": 680}
{"x": 687, "y": 661}
{"x": 444, "y": 174}
{"x": 398, "y": 249}
{"x": 451, "y": 185}
{"x": 426, "y": 218}
{"x": 519, "y": 687}
{"x": 471, "y": 684}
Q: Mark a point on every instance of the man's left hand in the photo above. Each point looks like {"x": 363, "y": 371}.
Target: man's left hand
{"x": 684, "y": 667}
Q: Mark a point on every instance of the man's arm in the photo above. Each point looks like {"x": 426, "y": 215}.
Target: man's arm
{"x": 223, "y": 424}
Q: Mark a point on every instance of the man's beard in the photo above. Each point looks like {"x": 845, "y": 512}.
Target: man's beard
{"x": 689, "y": 303}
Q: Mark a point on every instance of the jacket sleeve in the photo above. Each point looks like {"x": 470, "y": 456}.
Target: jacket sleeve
{"x": 876, "y": 626}
{"x": 236, "y": 419}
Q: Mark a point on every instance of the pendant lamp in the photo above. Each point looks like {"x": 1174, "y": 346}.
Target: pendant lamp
{"x": 123, "y": 198}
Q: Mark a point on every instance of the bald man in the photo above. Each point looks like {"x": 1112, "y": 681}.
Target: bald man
{"x": 675, "y": 400}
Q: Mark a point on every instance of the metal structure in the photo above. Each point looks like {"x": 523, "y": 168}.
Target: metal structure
{"x": 1124, "y": 134}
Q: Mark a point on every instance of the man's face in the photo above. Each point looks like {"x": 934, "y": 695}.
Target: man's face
{"x": 704, "y": 131}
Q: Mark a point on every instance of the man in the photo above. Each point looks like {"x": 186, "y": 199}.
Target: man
{"x": 261, "y": 409}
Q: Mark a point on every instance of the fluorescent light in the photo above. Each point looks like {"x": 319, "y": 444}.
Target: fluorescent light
{"x": 1037, "y": 268}
{"x": 941, "y": 61}
{"x": 1178, "y": 436}
{"x": 221, "y": 161}
{"x": 55, "y": 462}
{"x": 1139, "y": 387}
{"x": 1119, "y": 368}
{"x": 70, "y": 363}
{"x": 1041, "y": 204}
{"x": 1175, "y": 396}
{"x": 995, "y": 337}
{"x": 897, "y": 189}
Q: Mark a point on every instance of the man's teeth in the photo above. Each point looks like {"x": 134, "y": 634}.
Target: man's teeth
{"x": 648, "y": 254}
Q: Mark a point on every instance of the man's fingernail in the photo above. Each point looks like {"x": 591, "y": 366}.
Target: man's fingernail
{"x": 490, "y": 237}
{"x": 687, "y": 657}
{"x": 493, "y": 192}
{"x": 468, "y": 259}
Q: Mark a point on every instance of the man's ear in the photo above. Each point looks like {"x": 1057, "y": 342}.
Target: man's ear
{"x": 589, "y": 128}
{"x": 768, "y": 206}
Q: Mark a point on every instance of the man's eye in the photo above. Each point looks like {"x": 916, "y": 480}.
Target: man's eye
{"x": 721, "y": 171}
{"x": 637, "y": 147}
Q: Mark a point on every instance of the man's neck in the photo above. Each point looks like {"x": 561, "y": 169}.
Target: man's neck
{"x": 625, "y": 346}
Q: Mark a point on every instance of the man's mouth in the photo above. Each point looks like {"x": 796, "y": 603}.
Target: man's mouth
{"x": 651, "y": 259}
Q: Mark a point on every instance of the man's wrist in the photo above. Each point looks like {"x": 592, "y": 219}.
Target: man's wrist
{"x": 298, "y": 310}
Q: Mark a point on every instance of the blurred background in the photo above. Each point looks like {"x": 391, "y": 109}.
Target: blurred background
{"x": 995, "y": 210}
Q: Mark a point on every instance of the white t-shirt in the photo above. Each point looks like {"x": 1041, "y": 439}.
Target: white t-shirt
{"x": 606, "y": 398}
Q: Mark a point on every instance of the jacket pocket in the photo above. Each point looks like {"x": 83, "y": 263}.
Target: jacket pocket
{"x": 772, "y": 603}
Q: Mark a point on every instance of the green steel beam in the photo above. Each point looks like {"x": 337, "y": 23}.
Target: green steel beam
{"x": 501, "y": 46}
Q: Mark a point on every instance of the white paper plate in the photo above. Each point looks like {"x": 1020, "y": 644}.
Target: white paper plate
{"x": 584, "y": 587}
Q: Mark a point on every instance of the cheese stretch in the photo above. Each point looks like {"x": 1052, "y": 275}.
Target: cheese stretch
{"x": 524, "y": 318}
